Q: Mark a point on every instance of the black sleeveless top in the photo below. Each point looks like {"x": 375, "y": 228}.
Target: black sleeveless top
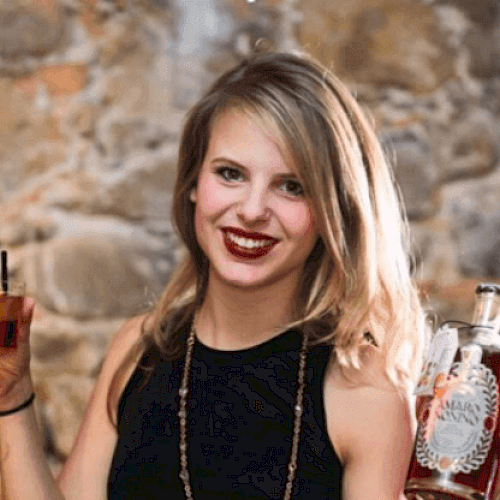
{"x": 240, "y": 427}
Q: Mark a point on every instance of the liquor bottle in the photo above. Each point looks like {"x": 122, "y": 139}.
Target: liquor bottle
{"x": 457, "y": 447}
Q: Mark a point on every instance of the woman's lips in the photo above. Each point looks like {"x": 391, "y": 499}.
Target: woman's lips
{"x": 248, "y": 253}
{"x": 248, "y": 234}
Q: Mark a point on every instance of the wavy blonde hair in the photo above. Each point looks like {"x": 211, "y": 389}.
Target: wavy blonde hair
{"x": 357, "y": 280}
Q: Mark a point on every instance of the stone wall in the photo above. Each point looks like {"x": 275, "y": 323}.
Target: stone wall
{"x": 92, "y": 97}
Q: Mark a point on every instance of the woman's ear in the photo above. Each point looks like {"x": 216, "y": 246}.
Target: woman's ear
{"x": 192, "y": 194}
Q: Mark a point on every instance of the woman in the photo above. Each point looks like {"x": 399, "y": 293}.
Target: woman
{"x": 279, "y": 360}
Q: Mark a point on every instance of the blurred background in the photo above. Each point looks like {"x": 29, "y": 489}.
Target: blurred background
{"x": 92, "y": 98}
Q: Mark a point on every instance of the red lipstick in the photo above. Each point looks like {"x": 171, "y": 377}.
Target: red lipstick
{"x": 246, "y": 234}
{"x": 247, "y": 253}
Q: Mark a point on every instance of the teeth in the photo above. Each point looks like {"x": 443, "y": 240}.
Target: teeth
{"x": 248, "y": 243}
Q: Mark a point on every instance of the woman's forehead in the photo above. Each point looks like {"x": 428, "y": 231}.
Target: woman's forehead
{"x": 261, "y": 123}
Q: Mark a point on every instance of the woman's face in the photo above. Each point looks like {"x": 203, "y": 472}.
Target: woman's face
{"x": 252, "y": 219}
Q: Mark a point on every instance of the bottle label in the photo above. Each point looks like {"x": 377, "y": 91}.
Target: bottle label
{"x": 456, "y": 428}
{"x": 442, "y": 351}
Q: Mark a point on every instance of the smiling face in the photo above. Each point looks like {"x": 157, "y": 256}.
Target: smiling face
{"x": 252, "y": 219}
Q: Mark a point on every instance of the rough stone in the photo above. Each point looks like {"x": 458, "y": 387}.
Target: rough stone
{"x": 415, "y": 170}
{"x": 32, "y": 226}
{"x": 484, "y": 52}
{"x": 42, "y": 157}
{"x": 82, "y": 117}
{"x": 120, "y": 136}
{"x": 136, "y": 187}
{"x": 491, "y": 96}
{"x": 124, "y": 39}
{"x": 74, "y": 192}
{"x": 65, "y": 396}
{"x": 382, "y": 43}
{"x": 80, "y": 47}
{"x": 14, "y": 109}
{"x": 471, "y": 209}
{"x": 89, "y": 275}
{"x": 450, "y": 301}
{"x": 155, "y": 174}
{"x": 24, "y": 165}
{"x": 165, "y": 10}
{"x": 30, "y": 138}
{"x": 394, "y": 107}
{"x": 63, "y": 79}
{"x": 28, "y": 29}
{"x": 435, "y": 251}
{"x": 203, "y": 31}
{"x": 92, "y": 16}
{"x": 54, "y": 350}
{"x": 454, "y": 23}
{"x": 127, "y": 89}
{"x": 485, "y": 13}
{"x": 471, "y": 148}
{"x": 66, "y": 353}
{"x": 257, "y": 27}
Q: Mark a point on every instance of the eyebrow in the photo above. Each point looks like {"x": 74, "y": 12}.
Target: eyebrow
{"x": 223, "y": 159}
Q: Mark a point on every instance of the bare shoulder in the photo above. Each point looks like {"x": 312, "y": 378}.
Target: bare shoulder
{"x": 123, "y": 341}
{"x": 121, "y": 354}
{"x": 84, "y": 475}
{"x": 359, "y": 402}
{"x": 371, "y": 425}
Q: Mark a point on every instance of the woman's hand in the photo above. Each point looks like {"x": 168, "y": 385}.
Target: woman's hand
{"x": 15, "y": 380}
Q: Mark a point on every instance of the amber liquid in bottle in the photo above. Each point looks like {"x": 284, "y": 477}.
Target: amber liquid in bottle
{"x": 426, "y": 484}
{"x": 462, "y": 417}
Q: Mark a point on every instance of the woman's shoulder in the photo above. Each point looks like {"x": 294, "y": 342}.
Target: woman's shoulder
{"x": 123, "y": 354}
{"x": 359, "y": 400}
{"x": 131, "y": 330}
{"x": 124, "y": 342}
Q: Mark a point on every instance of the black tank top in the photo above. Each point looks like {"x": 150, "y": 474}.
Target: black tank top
{"x": 240, "y": 427}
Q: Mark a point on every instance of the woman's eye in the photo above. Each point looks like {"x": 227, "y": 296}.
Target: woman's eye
{"x": 229, "y": 173}
{"x": 293, "y": 187}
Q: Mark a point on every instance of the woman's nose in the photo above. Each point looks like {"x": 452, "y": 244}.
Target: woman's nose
{"x": 254, "y": 205}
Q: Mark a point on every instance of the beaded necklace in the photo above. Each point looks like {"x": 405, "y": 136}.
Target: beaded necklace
{"x": 183, "y": 417}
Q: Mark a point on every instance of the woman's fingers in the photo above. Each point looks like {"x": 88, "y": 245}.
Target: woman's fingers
{"x": 28, "y": 308}
{"x": 25, "y": 318}
{"x": 15, "y": 352}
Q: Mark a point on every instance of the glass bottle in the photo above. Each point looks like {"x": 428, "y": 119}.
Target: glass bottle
{"x": 457, "y": 446}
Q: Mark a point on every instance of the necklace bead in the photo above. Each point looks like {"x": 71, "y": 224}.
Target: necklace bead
{"x": 183, "y": 414}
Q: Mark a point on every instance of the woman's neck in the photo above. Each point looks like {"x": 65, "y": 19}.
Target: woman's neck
{"x": 233, "y": 318}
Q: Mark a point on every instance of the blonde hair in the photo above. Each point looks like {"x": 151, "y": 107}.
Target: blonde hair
{"x": 356, "y": 288}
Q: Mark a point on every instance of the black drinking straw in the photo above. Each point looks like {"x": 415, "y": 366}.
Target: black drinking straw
{"x": 5, "y": 277}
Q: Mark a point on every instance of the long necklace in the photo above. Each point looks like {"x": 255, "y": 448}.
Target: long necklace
{"x": 183, "y": 417}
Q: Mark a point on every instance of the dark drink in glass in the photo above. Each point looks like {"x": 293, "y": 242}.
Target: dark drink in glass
{"x": 10, "y": 311}
{"x": 11, "y": 305}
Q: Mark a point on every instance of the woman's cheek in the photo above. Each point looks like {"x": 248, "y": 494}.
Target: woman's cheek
{"x": 213, "y": 197}
{"x": 300, "y": 220}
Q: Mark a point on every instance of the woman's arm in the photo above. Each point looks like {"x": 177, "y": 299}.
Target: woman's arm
{"x": 380, "y": 447}
{"x": 24, "y": 469}
{"x": 23, "y": 465}
{"x": 373, "y": 429}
